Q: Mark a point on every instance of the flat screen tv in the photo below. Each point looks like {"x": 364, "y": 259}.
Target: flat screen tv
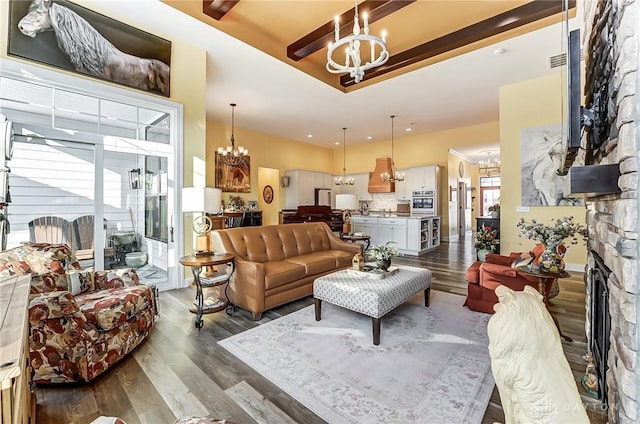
{"x": 574, "y": 109}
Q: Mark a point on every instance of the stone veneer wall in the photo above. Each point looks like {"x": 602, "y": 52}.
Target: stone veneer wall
{"x": 613, "y": 220}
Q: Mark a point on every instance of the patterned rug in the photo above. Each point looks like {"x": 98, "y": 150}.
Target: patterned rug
{"x": 432, "y": 364}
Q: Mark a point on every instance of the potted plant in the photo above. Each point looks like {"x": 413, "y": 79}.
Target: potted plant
{"x": 485, "y": 242}
{"x": 383, "y": 253}
{"x": 553, "y": 237}
{"x": 494, "y": 210}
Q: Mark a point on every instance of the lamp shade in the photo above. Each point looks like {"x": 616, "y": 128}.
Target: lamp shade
{"x": 201, "y": 199}
{"x": 346, "y": 201}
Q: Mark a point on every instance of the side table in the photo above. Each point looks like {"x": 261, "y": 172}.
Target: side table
{"x": 353, "y": 238}
{"x": 544, "y": 278}
{"x": 215, "y": 279}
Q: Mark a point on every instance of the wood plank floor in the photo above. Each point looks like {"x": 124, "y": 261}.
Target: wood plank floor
{"x": 180, "y": 372}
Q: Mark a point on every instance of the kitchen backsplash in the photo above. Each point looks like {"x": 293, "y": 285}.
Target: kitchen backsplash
{"x": 385, "y": 202}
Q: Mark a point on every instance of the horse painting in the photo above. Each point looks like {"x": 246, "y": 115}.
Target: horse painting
{"x": 90, "y": 52}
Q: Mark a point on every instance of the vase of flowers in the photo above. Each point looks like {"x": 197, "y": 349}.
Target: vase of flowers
{"x": 494, "y": 210}
{"x": 553, "y": 237}
{"x": 485, "y": 242}
{"x": 382, "y": 254}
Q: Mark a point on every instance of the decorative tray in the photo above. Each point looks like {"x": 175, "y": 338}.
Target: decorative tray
{"x": 371, "y": 271}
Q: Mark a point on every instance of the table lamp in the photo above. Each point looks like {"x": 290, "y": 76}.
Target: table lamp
{"x": 199, "y": 201}
{"x": 346, "y": 203}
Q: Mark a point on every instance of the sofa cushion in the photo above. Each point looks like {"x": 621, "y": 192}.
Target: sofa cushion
{"x": 278, "y": 273}
{"x": 51, "y": 305}
{"x": 314, "y": 263}
{"x": 341, "y": 258}
{"x": 108, "y": 308}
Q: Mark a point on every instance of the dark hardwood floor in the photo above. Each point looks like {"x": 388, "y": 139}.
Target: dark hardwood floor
{"x": 179, "y": 372}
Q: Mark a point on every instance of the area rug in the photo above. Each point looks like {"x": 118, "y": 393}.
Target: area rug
{"x": 432, "y": 364}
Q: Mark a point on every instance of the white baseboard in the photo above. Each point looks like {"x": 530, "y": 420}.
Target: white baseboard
{"x": 574, "y": 267}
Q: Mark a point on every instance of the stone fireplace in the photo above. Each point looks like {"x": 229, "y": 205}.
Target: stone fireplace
{"x": 610, "y": 43}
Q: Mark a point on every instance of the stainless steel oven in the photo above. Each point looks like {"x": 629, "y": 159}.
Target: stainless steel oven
{"x": 423, "y": 202}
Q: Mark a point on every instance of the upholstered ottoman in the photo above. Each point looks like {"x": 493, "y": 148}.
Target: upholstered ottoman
{"x": 372, "y": 297}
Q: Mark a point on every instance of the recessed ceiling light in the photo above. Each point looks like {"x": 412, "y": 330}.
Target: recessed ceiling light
{"x": 337, "y": 143}
{"x": 408, "y": 129}
{"x": 499, "y": 52}
{"x": 369, "y": 137}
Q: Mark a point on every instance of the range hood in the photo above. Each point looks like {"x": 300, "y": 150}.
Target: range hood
{"x": 593, "y": 180}
{"x": 376, "y": 185}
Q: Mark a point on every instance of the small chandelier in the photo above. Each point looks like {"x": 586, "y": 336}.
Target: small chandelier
{"x": 344, "y": 180}
{"x": 395, "y": 176}
{"x": 353, "y": 64}
{"x": 231, "y": 152}
{"x": 489, "y": 166}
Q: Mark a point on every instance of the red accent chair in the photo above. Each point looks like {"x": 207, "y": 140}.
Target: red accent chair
{"x": 484, "y": 277}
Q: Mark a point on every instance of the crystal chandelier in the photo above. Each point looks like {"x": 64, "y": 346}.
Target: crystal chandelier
{"x": 489, "y": 166}
{"x": 344, "y": 180}
{"x": 231, "y": 153}
{"x": 394, "y": 176}
{"x": 353, "y": 64}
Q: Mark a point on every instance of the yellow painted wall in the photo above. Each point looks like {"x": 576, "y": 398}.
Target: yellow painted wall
{"x": 188, "y": 79}
{"x": 526, "y": 105}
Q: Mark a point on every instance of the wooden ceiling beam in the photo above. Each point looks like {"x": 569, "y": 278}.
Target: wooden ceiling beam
{"x": 322, "y": 36}
{"x": 217, "y": 8}
{"x": 514, "y": 18}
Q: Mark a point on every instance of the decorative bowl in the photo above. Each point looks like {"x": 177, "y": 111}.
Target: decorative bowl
{"x": 123, "y": 237}
{"x": 135, "y": 259}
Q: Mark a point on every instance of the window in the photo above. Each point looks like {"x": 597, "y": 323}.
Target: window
{"x": 489, "y": 193}
{"x": 155, "y": 195}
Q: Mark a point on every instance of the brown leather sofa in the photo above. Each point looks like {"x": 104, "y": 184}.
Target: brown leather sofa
{"x": 276, "y": 264}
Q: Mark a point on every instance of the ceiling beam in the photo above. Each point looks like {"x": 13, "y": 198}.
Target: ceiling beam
{"x": 217, "y": 8}
{"x": 514, "y": 18}
{"x": 322, "y": 36}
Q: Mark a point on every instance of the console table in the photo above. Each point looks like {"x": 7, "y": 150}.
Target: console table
{"x": 210, "y": 279}
{"x": 18, "y": 401}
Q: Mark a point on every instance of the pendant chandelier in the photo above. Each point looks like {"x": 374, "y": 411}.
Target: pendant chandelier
{"x": 353, "y": 62}
{"x": 344, "y": 180}
{"x": 394, "y": 176}
{"x": 489, "y": 166}
{"x": 231, "y": 154}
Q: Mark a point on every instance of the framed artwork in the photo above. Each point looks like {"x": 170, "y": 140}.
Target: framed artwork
{"x": 253, "y": 205}
{"x": 65, "y": 35}
{"x": 267, "y": 194}
{"x": 543, "y": 183}
{"x": 233, "y": 174}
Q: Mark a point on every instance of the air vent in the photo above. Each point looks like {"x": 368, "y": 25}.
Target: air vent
{"x": 561, "y": 59}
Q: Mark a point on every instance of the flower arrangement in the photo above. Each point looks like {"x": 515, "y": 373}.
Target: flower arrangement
{"x": 486, "y": 239}
{"x": 495, "y": 208}
{"x": 383, "y": 252}
{"x": 235, "y": 203}
{"x": 554, "y": 235}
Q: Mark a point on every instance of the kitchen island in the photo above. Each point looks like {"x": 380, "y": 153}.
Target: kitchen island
{"x": 411, "y": 234}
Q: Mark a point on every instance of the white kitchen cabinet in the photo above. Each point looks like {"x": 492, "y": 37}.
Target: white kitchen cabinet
{"x": 424, "y": 177}
{"x": 394, "y": 230}
{"x": 361, "y": 186}
{"x": 322, "y": 180}
{"x": 423, "y": 234}
{"x": 301, "y": 188}
{"x": 404, "y": 188}
{"x": 366, "y": 225}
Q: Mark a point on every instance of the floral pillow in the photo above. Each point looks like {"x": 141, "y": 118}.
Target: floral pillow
{"x": 81, "y": 281}
{"x": 523, "y": 260}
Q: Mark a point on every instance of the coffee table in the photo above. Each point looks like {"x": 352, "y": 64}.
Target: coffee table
{"x": 369, "y": 296}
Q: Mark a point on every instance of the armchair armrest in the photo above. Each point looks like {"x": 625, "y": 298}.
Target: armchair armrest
{"x": 114, "y": 279}
{"x": 495, "y": 258}
{"x": 498, "y": 270}
{"x": 52, "y": 305}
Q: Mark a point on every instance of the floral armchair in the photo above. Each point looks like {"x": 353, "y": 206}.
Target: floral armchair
{"x": 80, "y": 321}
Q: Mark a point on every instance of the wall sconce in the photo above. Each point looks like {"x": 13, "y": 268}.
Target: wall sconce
{"x": 134, "y": 179}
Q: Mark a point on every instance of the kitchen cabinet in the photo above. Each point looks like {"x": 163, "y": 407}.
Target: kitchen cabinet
{"x": 366, "y": 225}
{"x": 302, "y": 185}
{"x": 394, "y": 230}
{"x": 404, "y": 188}
{"x": 301, "y": 188}
{"x": 361, "y": 186}
{"x": 425, "y": 177}
{"x": 423, "y": 234}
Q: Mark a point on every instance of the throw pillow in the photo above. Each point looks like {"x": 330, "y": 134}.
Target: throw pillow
{"x": 523, "y": 260}
{"x": 81, "y": 281}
